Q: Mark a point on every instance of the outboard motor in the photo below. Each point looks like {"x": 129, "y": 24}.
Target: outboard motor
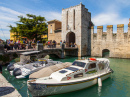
{"x": 10, "y": 67}
{"x": 111, "y": 70}
{"x": 17, "y": 72}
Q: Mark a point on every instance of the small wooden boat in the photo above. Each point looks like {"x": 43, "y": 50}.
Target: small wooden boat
{"x": 81, "y": 74}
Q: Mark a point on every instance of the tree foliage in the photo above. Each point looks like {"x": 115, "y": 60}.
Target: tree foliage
{"x": 31, "y": 26}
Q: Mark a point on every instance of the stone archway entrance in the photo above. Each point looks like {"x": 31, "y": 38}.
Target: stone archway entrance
{"x": 105, "y": 53}
{"x": 70, "y": 38}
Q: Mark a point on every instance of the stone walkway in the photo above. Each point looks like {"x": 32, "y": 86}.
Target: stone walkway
{"x": 6, "y": 89}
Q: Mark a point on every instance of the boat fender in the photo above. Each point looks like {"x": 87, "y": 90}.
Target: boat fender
{"x": 99, "y": 82}
{"x": 92, "y": 59}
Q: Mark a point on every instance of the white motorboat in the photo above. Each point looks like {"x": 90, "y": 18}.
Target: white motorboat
{"x": 81, "y": 74}
{"x": 27, "y": 69}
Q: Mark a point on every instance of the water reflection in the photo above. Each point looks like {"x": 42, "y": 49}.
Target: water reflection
{"x": 99, "y": 90}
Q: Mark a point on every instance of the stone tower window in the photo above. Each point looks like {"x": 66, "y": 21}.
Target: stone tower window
{"x": 50, "y": 30}
{"x": 74, "y": 19}
{"x": 67, "y": 21}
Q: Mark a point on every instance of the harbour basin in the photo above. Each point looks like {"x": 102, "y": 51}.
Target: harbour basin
{"x": 118, "y": 85}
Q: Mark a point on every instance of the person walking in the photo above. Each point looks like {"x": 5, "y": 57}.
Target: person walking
{"x": 71, "y": 44}
{"x": 27, "y": 44}
{"x": 34, "y": 44}
{"x": 60, "y": 43}
{"x": 19, "y": 45}
{"x": 51, "y": 44}
{"x": 0, "y": 68}
{"x": 54, "y": 43}
{"x": 15, "y": 46}
{"x": 48, "y": 44}
{"x": 64, "y": 42}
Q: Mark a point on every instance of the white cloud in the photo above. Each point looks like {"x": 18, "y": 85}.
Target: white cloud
{"x": 9, "y": 16}
{"x": 109, "y": 19}
{"x": 4, "y": 35}
{"x": 49, "y": 15}
{"x": 8, "y": 10}
{"x": 52, "y": 15}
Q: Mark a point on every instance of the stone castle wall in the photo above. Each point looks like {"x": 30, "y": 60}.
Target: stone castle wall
{"x": 117, "y": 43}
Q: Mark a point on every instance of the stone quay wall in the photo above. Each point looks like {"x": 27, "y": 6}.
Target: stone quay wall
{"x": 117, "y": 43}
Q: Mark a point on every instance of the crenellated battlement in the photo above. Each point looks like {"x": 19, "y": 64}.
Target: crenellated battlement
{"x": 117, "y": 43}
{"x": 109, "y": 35}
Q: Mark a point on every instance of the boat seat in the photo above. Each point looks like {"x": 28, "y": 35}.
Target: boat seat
{"x": 28, "y": 66}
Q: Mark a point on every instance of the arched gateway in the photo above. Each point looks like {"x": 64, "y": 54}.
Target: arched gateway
{"x": 70, "y": 38}
{"x": 105, "y": 53}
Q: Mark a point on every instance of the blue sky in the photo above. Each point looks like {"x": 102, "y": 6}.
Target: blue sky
{"x": 103, "y": 12}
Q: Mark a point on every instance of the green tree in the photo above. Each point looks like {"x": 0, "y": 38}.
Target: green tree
{"x": 31, "y": 26}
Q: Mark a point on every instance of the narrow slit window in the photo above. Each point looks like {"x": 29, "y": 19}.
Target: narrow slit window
{"x": 67, "y": 20}
{"x": 74, "y": 19}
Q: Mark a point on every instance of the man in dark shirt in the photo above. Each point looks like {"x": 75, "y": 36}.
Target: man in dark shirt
{"x": 0, "y": 68}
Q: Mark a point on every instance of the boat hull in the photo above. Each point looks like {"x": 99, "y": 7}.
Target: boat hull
{"x": 46, "y": 89}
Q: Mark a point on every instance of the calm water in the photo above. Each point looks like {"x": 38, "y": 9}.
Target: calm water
{"x": 118, "y": 85}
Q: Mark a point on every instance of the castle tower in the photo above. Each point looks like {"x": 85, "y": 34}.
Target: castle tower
{"x": 75, "y": 23}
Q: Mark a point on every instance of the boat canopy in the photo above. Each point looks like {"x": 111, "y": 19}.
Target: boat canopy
{"x": 30, "y": 53}
{"x": 47, "y": 71}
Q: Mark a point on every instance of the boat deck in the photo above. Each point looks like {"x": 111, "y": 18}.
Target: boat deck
{"x": 6, "y": 89}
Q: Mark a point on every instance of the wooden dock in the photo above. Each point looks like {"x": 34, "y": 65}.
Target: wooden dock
{"x": 6, "y": 89}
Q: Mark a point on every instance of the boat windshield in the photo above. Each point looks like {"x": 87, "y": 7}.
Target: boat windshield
{"x": 80, "y": 64}
{"x": 40, "y": 62}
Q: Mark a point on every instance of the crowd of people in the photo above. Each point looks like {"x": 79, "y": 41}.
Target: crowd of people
{"x": 28, "y": 44}
{"x": 19, "y": 45}
{"x": 52, "y": 44}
